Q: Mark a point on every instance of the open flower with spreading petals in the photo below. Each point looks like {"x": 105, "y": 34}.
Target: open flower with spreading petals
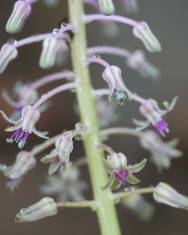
{"x": 44, "y": 208}
{"x": 24, "y": 162}
{"x": 162, "y": 153}
{"x": 117, "y": 89}
{"x": 24, "y": 126}
{"x": 154, "y": 115}
{"x": 65, "y": 187}
{"x": 60, "y": 155}
{"x": 121, "y": 173}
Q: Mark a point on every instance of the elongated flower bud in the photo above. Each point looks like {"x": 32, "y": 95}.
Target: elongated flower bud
{"x": 44, "y": 208}
{"x": 24, "y": 163}
{"x": 164, "y": 193}
{"x": 112, "y": 75}
{"x": 8, "y": 53}
{"x": 144, "y": 33}
{"x": 106, "y": 7}
{"x": 50, "y": 48}
{"x": 20, "y": 13}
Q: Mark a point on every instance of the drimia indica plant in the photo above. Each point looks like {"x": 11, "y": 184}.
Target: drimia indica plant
{"x": 114, "y": 176}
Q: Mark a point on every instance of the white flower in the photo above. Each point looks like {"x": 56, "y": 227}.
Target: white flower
{"x": 44, "y": 208}
{"x": 164, "y": 193}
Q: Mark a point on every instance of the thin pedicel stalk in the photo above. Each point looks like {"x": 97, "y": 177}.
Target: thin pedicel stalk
{"x": 52, "y": 77}
{"x": 120, "y": 131}
{"x": 55, "y": 91}
{"x": 109, "y": 50}
{"x": 120, "y": 19}
{"x": 106, "y": 212}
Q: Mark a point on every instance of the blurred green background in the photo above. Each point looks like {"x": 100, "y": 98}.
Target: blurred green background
{"x": 168, "y": 19}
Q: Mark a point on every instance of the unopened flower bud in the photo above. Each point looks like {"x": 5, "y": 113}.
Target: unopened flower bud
{"x": 138, "y": 62}
{"x": 106, "y": 7}
{"x": 20, "y": 13}
{"x": 51, "y": 3}
{"x": 24, "y": 163}
{"x": 112, "y": 75}
{"x": 164, "y": 193}
{"x": 8, "y": 53}
{"x": 50, "y": 47}
{"x": 144, "y": 33}
{"x": 131, "y": 6}
{"x": 44, "y": 208}
{"x": 117, "y": 161}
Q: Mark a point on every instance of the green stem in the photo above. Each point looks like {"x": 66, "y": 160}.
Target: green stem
{"x": 106, "y": 212}
{"x": 81, "y": 204}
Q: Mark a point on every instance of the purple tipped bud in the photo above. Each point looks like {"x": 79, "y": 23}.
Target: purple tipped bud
{"x": 8, "y": 53}
{"x": 106, "y": 7}
{"x": 20, "y": 13}
{"x": 144, "y": 33}
{"x": 112, "y": 75}
{"x": 44, "y": 208}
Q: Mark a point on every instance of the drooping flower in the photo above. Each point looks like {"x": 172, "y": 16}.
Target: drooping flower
{"x": 24, "y": 162}
{"x": 60, "y": 156}
{"x": 24, "y": 95}
{"x": 120, "y": 172}
{"x": 117, "y": 89}
{"x": 144, "y": 33}
{"x": 24, "y": 126}
{"x": 8, "y": 52}
{"x": 154, "y": 115}
{"x": 21, "y": 11}
{"x": 54, "y": 45}
{"x": 65, "y": 187}
{"x": 139, "y": 206}
{"x": 162, "y": 153}
{"x": 138, "y": 62}
{"x": 44, "y": 208}
{"x": 165, "y": 194}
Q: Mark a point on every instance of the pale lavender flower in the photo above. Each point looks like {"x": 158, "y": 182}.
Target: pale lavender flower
{"x": 59, "y": 157}
{"x": 131, "y": 6}
{"x": 144, "y": 33}
{"x": 8, "y": 52}
{"x": 162, "y": 153}
{"x": 154, "y": 115}
{"x": 120, "y": 172}
{"x": 44, "y": 208}
{"x": 25, "y": 126}
{"x": 21, "y": 11}
{"x": 139, "y": 206}
{"x": 165, "y": 194}
{"x": 117, "y": 89}
{"x": 24, "y": 162}
{"x": 107, "y": 112}
{"x": 24, "y": 95}
{"x": 65, "y": 187}
{"x": 138, "y": 62}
